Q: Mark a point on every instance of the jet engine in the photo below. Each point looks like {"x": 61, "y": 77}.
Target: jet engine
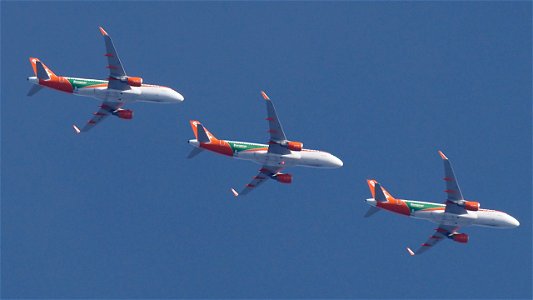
{"x": 460, "y": 237}
{"x": 135, "y": 81}
{"x": 124, "y": 114}
{"x": 470, "y": 205}
{"x": 295, "y": 146}
{"x": 283, "y": 178}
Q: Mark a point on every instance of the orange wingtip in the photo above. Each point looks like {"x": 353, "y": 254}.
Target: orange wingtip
{"x": 76, "y": 129}
{"x": 442, "y": 155}
{"x": 410, "y": 251}
{"x": 102, "y": 31}
{"x": 234, "y": 192}
{"x": 264, "y": 95}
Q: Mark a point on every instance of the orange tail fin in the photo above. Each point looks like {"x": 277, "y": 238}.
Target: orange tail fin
{"x": 41, "y": 70}
{"x": 372, "y": 184}
{"x": 201, "y": 133}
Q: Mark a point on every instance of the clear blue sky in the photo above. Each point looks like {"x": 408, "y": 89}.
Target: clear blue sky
{"x": 120, "y": 212}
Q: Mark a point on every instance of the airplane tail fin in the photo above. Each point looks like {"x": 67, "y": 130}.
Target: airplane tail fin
{"x": 379, "y": 193}
{"x": 201, "y": 133}
{"x": 41, "y": 70}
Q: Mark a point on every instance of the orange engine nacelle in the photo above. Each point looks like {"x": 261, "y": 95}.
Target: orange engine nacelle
{"x": 284, "y": 178}
{"x": 471, "y": 205}
{"x": 124, "y": 114}
{"x": 135, "y": 81}
{"x": 295, "y": 146}
{"x": 460, "y": 238}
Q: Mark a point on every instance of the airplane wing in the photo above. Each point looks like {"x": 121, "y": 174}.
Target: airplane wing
{"x": 265, "y": 173}
{"x": 452, "y": 188}
{"x": 440, "y": 233}
{"x": 275, "y": 129}
{"x": 116, "y": 70}
{"x": 106, "y": 109}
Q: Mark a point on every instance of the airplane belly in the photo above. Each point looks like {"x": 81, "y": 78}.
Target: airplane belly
{"x": 434, "y": 216}
{"x": 264, "y": 158}
{"x": 151, "y": 94}
{"x": 277, "y": 160}
{"x": 100, "y": 93}
{"x": 85, "y": 92}
{"x": 459, "y": 220}
{"x": 247, "y": 155}
{"x": 487, "y": 220}
{"x": 312, "y": 159}
{"x": 117, "y": 95}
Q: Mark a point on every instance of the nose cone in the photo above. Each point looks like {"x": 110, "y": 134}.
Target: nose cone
{"x": 335, "y": 162}
{"x": 178, "y": 96}
{"x": 513, "y": 222}
{"x": 174, "y": 96}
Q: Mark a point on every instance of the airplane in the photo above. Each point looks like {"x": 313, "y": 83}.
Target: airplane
{"x": 118, "y": 90}
{"x": 279, "y": 154}
{"x": 456, "y": 212}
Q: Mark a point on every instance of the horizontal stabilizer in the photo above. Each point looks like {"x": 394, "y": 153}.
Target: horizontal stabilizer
{"x": 371, "y": 211}
{"x": 194, "y": 152}
{"x": 76, "y": 129}
{"x": 202, "y": 135}
{"x": 34, "y": 89}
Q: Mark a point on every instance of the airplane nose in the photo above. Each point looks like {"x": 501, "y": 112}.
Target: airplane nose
{"x": 337, "y": 163}
{"x": 179, "y": 97}
{"x": 514, "y": 222}
{"x": 173, "y": 96}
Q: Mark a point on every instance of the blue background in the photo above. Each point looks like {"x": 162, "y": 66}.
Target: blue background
{"x": 120, "y": 212}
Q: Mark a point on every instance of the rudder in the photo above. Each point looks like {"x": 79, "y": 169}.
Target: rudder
{"x": 381, "y": 192}
{"x": 41, "y": 70}
{"x": 201, "y": 133}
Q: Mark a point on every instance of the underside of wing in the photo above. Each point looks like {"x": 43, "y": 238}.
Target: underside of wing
{"x": 105, "y": 109}
{"x": 275, "y": 130}
{"x": 116, "y": 70}
{"x": 453, "y": 192}
{"x": 265, "y": 173}
{"x": 441, "y": 233}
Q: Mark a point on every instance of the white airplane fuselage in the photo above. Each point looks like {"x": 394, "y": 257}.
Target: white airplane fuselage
{"x": 258, "y": 153}
{"x": 95, "y": 88}
{"x": 435, "y": 213}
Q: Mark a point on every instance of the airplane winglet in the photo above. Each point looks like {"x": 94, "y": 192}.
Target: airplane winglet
{"x": 410, "y": 251}
{"x": 235, "y": 193}
{"x": 76, "y": 129}
{"x": 104, "y": 33}
{"x": 442, "y": 155}
{"x": 264, "y": 95}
